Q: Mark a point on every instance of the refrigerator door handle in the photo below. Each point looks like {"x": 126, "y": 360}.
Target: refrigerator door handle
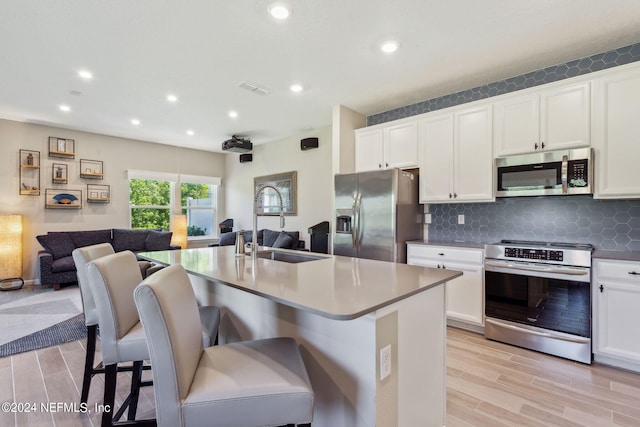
{"x": 354, "y": 218}
{"x": 357, "y": 217}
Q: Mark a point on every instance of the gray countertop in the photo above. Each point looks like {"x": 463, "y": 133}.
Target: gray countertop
{"x": 619, "y": 255}
{"x": 336, "y": 287}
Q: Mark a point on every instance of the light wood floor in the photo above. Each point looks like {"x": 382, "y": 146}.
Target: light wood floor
{"x": 488, "y": 384}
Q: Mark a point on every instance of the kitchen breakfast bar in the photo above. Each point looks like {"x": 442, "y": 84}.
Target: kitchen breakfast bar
{"x": 371, "y": 333}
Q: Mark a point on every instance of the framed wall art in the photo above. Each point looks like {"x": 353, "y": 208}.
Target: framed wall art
{"x": 268, "y": 200}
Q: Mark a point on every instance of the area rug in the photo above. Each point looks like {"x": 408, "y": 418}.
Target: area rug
{"x": 70, "y": 330}
{"x": 36, "y": 317}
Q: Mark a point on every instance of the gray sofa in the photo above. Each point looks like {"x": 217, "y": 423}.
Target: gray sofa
{"x": 56, "y": 264}
{"x": 266, "y": 237}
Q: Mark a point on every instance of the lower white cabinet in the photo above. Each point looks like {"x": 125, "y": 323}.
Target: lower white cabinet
{"x": 465, "y": 294}
{"x": 616, "y": 313}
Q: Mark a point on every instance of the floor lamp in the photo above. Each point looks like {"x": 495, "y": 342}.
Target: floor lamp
{"x": 11, "y": 252}
{"x": 179, "y": 228}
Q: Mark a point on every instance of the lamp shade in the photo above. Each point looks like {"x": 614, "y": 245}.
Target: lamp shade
{"x": 179, "y": 228}
{"x": 10, "y": 246}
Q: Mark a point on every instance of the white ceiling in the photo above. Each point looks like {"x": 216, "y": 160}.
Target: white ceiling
{"x": 201, "y": 50}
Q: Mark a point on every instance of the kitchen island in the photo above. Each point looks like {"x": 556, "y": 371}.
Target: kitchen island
{"x": 371, "y": 333}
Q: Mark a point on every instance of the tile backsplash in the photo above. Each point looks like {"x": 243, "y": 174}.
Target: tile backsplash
{"x": 607, "y": 224}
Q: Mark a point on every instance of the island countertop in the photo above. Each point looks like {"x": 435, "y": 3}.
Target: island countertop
{"x": 335, "y": 287}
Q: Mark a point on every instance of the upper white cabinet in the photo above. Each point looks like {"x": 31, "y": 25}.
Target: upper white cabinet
{"x": 616, "y": 133}
{"x": 456, "y": 156}
{"x": 391, "y": 146}
{"x": 551, "y": 119}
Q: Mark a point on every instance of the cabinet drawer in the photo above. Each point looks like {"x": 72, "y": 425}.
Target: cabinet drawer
{"x": 444, "y": 254}
{"x": 620, "y": 270}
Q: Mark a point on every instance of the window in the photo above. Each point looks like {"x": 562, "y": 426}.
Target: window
{"x": 150, "y": 203}
{"x": 154, "y": 197}
{"x": 199, "y": 204}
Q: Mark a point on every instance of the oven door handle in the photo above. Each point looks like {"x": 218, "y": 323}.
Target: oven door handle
{"x": 571, "y": 271}
{"x": 578, "y": 340}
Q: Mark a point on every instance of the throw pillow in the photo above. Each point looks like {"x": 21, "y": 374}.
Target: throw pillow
{"x": 227, "y": 239}
{"x": 283, "y": 241}
{"x": 269, "y": 237}
{"x": 158, "y": 240}
{"x": 129, "y": 240}
{"x": 90, "y": 237}
{"x": 59, "y": 245}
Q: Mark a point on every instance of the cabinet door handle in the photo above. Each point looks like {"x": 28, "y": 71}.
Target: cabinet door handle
{"x": 601, "y": 288}
{"x": 444, "y": 267}
{"x": 379, "y": 165}
{"x": 535, "y": 146}
{"x": 542, "y": 145}
{"x": 386, "y": 164}
{"x": 450, "y": 195}
{"x": 441, "y": 254}
{"x": 634, "y": 273}
{"x": 455, "y": 195}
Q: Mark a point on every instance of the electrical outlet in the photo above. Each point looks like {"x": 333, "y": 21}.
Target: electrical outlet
{"x": 427, "y": 218}
{"x": 385, "y": 362}
{"x": 461, "y": 219}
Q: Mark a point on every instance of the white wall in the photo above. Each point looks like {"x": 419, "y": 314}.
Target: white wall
{"x": 118, "y": 155}
{"x": 315, "y": 182}
{"x": 345, "y": 121}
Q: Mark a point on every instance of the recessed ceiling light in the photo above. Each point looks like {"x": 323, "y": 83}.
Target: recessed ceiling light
{"x": 135, "y": 122}
{"x": 172, "y": 98}
{"x": 87, "y": 75}
{"x": 296, "y": 87}
{"x": 279, "y": 11}
{"x": 233, "y": 114}
{"x": 190, "y": 132}
{"x": 389, "y": 46}
{"x": 64, "y": 108}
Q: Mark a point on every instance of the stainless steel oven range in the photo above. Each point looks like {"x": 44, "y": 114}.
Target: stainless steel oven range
{"x": 538, "y": 296}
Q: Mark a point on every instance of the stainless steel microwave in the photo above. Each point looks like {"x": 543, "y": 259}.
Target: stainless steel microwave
{"x": 548, "y": 173}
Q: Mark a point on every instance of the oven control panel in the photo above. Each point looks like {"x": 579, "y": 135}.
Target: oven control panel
{"x": 541, "y": 254}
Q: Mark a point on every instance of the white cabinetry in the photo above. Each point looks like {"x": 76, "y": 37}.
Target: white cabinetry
{"x": 465, "y": 294}
{"x": 616, "y": 313}
{"x": 388, "y": 146}
{"x": 552, "y": 119}
{"x": 456, "y": 156}
{"x": 616, "y": 136}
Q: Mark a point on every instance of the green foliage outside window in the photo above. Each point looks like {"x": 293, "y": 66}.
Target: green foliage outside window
{"x": 150, "y": 193}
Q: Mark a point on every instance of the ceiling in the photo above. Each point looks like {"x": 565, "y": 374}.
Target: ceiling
{"x": 201, "y": 50}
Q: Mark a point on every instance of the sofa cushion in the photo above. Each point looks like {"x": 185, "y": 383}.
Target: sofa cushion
{"x": 158, "y": 241}
{"x": 284, "y": 241}
{"x": 90, "y": 237}
{"x": 63, "y": 264}
{"x": 129, "y": 240}
{"x": 59, "y": 245}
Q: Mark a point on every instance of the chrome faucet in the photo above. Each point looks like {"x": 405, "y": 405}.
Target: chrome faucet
{"x": 254, "y": 236}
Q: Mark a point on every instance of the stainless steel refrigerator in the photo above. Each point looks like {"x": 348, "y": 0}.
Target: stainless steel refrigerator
{"x": 376, "y": 214}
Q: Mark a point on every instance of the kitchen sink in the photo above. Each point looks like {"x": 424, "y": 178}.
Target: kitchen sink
{"x": 288, "y": 257}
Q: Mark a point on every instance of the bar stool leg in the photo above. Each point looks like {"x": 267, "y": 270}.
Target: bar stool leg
{"x": 136, "y": 378}
{"x": 110, "y": 375}
{"x": 88, "y": 362}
